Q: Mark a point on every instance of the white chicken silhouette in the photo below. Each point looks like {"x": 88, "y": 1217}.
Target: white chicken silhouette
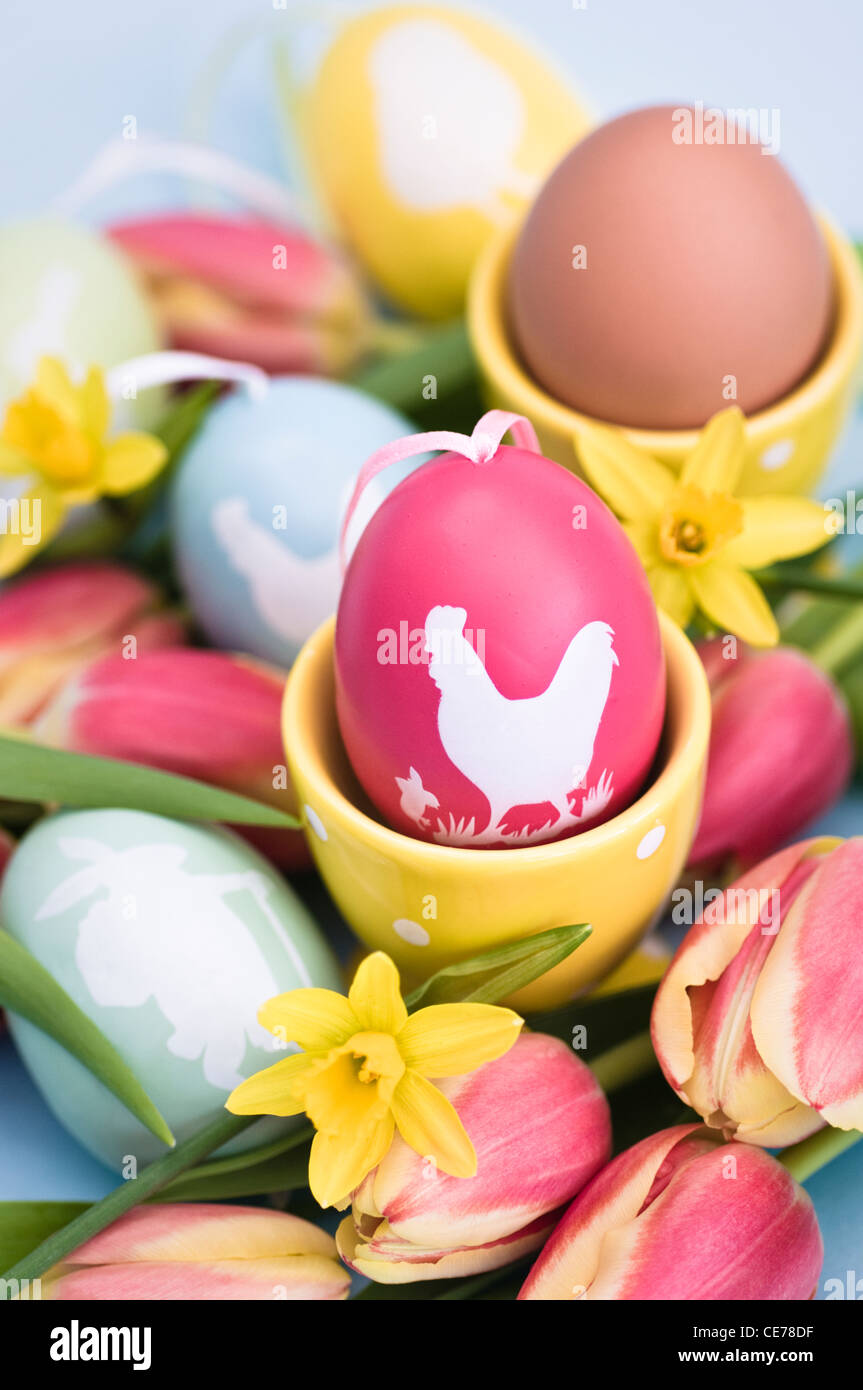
{"x": 521, "y": 752}
{"x": 291, "y": 594}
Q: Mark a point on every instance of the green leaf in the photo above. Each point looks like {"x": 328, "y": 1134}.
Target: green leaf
{"x": 279, "y": 1174}
{"x": 27, "y": 988}
{"x": 184, "y": 416}
{"x": 25, "y": 1224}
{"x": 495, "y": 975}
{"x": 32, "y": 772}
{"x": 273, "y": 1167}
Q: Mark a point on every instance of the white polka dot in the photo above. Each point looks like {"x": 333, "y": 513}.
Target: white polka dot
{"x": 315, "y": 822}
{"x": 777, "y": 455}
{"x": 411, "y": 932}
{"x": 651, "y": 842}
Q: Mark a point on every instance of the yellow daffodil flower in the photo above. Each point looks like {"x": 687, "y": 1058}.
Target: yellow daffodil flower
{"x": 695, "y": 538}
{"x": 54, "y": 437}
{"x": 364, "y": 1071}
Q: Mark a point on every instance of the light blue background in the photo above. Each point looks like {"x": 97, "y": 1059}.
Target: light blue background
{"x": 71, "y": 73}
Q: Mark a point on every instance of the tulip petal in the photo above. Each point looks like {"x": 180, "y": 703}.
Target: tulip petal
{"x": 339, "y": 1162}
{"x": 388, "y": 1260}
{"x": 708, "y": 949}
{"x": 286, "y": 1278}
{"x": 730, "y": 1224}
{"x": 570, "y": 1259}
{"x": 270, "y": 1092}
{"x": 777, "y": 528}
{"x": 429, "y": 1124}
{"x": 130, "y": 462}
{"x": 716, "y": 462}
{"x": 190, "y": 1231}
{"x": 781, "y": 753}
{"x": 539, "y": 1124}
{"x": 632, "y": 483}
{"x": 450, "y": 1039}
{"x": 731, "y": 598}
{"x": 807, "y": 1011}
{"x": 375, "y": 995}
{"x": 315, "y": 1019}
{"x": 18, "y": 548}
{"x": 672, "y": 593}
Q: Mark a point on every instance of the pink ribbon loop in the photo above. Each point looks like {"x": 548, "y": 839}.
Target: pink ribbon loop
{"x": 480, "y": 447}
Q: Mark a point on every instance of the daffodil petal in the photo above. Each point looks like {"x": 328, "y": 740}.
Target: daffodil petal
{"x": 732, "y": 599}
{"x": 269, "y": 1092}
{"x": 450, "y": 1039}
{"x": 645, "y": 539}
{"x": 633, "y": 484}
{"x": 428, "y": 1122}
{"x": 40, "y": 512}
{"x": 131, "y": 461}
{"x": 716, "y": 462}
{"x": 316, "y": 1019}
{"x": 54, "y": 385}
{"x": 339, "y": 1162}
{"x": 776, "y": 528}
{"x": 14, "y": 462}
{"x": 670, "y": 588}
{"x": 375, "y": 995}
{"x": 96, "y": 405}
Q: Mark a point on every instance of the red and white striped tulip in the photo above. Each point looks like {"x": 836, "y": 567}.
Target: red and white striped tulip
{"x": 249, "y": 290}
{"x": 781, "y": 751}
{"x": 202, "y": 714}
{"x": 540, "y": 1125}
{"x": 683, "y": 1216}
{"x": 56, "y": 621}
{"x": 756, "y": 1019}
{"x": 201, "y": 1251}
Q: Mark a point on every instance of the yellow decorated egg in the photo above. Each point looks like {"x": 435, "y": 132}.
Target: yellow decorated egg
{"x": 428, "y": 129}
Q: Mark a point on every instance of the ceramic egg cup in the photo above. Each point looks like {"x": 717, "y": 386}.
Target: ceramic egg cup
{"x": 787, "y": 444}
{"x": 428, "y": 904}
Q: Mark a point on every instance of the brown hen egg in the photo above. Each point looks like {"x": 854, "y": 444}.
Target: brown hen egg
{"x": 656, "y": 281}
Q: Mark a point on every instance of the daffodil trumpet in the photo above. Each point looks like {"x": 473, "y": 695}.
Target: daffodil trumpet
{"x": 57, "y": 445}
{"x": 698, "y": 541}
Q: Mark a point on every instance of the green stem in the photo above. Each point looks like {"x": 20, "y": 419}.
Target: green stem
{"x": 626, "y": 1062}
{"x": 844, "y": 586}
{"x": 842, "y": 644}
{"x": 127, "y": 1195}
{"x": 805, "y": 1158}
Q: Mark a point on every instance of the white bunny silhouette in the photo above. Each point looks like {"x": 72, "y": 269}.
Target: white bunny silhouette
{"x": 167, "y": 934}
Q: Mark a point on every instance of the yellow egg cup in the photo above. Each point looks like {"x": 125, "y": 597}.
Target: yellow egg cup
{"x": 428, "y": 905}
{"x": 787, "y": 445}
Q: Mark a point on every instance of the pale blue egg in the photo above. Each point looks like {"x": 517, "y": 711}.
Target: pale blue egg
{"x": 257, "y": 505}
{"x": 170, "y": 937}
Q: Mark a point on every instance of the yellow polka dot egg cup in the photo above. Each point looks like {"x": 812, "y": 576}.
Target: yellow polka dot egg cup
{"x": 787, "y": 444}
{"x": 428, "y": 905}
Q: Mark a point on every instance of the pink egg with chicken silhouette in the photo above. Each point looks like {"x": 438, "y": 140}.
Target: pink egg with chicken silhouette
{"x": 499, "y": 671}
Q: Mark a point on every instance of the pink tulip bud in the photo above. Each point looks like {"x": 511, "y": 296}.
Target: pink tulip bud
{"x": 202, "y": 714}
{"x": 781, "y": 751}
{"x": 250, "y": 290}
{"x": 55, "y": 621}
{"x": 540, "y": 1126}
{"x": 754, "y": 1019}
{"x": 191, "y": 1251}
{"x": 683, "y": 1216}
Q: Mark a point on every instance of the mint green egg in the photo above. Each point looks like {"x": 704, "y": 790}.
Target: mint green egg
{"x": 169, "y": 936}
{"x": 66, "y": 292}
